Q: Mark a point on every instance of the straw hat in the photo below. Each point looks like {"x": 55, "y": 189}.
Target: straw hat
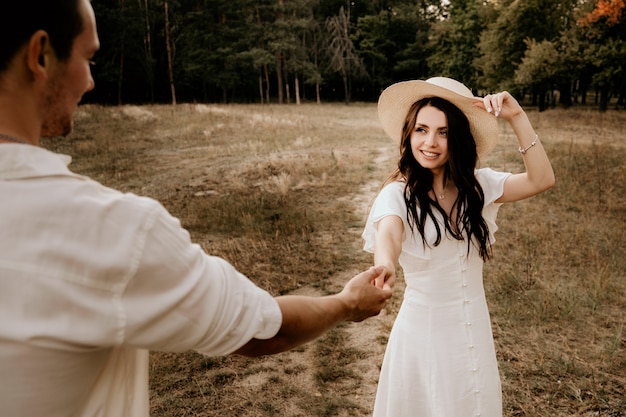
{"x": 395, "y": 101}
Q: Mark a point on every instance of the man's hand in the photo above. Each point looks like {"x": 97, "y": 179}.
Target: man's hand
{"x": 363, "y": 297}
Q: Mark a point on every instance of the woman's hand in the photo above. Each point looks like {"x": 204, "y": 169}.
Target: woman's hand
{"x": 501, "y": 104}
{"x": 386, "y": 278}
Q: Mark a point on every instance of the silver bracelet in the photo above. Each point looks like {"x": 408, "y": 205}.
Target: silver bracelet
{"x": 533, "y": 143}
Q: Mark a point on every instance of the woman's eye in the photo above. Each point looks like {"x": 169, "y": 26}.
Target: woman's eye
{"x": 443, "y": 133}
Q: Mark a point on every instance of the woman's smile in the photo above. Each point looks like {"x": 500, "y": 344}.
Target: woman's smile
{"x": 430, "y": 154}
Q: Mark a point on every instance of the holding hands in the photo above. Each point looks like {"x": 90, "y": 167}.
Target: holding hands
{"x": 367, "y": 293}
{"x": 386, "y": 278}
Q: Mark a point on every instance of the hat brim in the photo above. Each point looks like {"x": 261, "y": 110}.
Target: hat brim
{"x": 396, "y": 100}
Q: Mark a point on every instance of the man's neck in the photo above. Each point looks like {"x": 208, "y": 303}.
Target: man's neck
{"x": 20, "y": 115}
{"x": 16, "y": 126}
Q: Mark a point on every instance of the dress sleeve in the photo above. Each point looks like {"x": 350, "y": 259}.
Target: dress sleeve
{"x": 492, "y": 183}
{"x": 389, "y": 202}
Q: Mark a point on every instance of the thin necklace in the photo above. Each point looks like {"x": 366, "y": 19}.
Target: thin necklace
{"x": 13, "y": 139}
{"x": 443, "y": 193}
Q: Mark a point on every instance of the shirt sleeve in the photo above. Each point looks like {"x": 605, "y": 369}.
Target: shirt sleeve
{"x": 182, "y": 299}
{"x": 389, "y": 202}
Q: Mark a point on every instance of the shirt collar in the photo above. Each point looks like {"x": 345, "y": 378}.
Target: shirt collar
{"x": 26, "y": 161}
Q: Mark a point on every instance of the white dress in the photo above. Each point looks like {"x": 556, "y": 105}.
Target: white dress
{"x": 440, "y": 360}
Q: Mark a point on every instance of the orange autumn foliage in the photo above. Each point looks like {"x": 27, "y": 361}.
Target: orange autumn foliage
{"x": 609, "y": 10}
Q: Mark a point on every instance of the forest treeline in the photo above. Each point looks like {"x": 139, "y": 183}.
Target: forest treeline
{"x": 550, "y": 52}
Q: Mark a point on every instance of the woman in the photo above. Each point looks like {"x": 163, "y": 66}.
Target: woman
{"x": 435, "y": 216}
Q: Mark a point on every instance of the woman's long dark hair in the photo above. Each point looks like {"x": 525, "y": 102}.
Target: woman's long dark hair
{"x": 467, "y": 222}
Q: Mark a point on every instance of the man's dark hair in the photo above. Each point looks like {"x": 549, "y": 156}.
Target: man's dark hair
{"x": 61, "y": 19}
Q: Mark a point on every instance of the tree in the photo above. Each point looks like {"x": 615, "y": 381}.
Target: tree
{"x": 144, "y": 9}
{"x": 454, "y": 40}
{"x": 503, "y": 43}
{"x": 538, "y": 69}
{"x": 344, "y": 58}
{"x": 604, "y": 29}
{"x": 168, "y": 45}
{"x": 412, "y": 56}
{"x": 123, "y": 70}
{"x": 392, "y": 44}
{"x": 285, "y": 38}
{"x": 313, "y": 72}
{"x": 218, "y": 50}
{"x": 250, "y": 50}
{"x": 376, "y": 46}
{"x": 609, "y": 11}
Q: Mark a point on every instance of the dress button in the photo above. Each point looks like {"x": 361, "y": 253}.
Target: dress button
{"x": 464, "y": 285}
{"x": 468, "y": 324}
{"x": 466, "y": 301}
{"x": 477, "y": 391}
{"x": 470, "y": 346}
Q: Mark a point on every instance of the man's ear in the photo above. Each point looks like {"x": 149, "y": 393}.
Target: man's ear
{"x": 39, "y": 54}
{"x": 42, "y": 57}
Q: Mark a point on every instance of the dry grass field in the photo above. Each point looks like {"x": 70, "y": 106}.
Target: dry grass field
{"x": 282, "y": 193}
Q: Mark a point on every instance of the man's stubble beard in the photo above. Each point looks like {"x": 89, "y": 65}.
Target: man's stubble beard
{"x": 57, "y": 120}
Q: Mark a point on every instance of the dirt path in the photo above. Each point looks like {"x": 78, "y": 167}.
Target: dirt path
{"x": 357, "y": 348}
{"x": 369, "y": 337}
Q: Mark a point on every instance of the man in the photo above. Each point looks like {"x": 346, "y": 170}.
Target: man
{"x": 91, "y": 279}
